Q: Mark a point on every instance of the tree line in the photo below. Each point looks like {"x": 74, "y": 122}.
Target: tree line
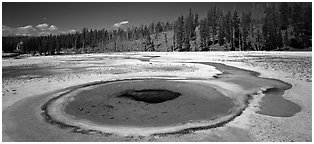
{"x": 275, "y": 26}
{"x": 272, "y": 27}
{"x": 86, "y": 41}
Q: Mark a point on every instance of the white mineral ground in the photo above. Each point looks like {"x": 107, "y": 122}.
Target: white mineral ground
{"x": 74, "y": 70}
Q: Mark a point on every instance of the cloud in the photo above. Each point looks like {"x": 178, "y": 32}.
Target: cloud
{"x": 44, "y": 33}
{"x": 6, "y": 30}
{"x": 40, "y": 30}
{"x": 28, "y": 27}
{"x": 25, "y": 30}
{"x": 53, "y": 28}
{"x": 4, "y": 27}
{"x": 120, "y": 23}
{"x": 43, "y": 26}
{"x": 68, "y": 31}
{"x": 71, "y": 31}
{"x": 23, "y": 34}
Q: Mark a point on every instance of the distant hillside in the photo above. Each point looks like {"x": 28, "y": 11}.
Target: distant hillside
{"x": 162, "y": 42}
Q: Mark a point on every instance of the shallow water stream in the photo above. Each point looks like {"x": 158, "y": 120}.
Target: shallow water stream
{"x": 273, "y": 103}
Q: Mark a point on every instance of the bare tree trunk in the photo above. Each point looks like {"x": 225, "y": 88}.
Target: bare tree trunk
{"x": 166, "y": 42}
{"x": 115, "y": 45}
{"x": 174, "y": 42}
{"x": 84, "y": 46}
{"x": 239, "y": 41}
{"x": 156, "y": 38}
{"x": 233, "y": 37}
{"x": 143, "y": 45}
{"x": 75, "y": 44}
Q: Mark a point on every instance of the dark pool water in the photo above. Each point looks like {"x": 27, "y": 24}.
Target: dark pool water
{"x": 150, "y": 96}
{"x": 149, "y": 103}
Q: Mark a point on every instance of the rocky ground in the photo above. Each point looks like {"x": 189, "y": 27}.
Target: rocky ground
{"x": 30, "y": 76}
{"x": 296, "y": 67}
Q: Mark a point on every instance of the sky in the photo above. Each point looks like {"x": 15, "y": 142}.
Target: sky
{"x": 65, "y": 17}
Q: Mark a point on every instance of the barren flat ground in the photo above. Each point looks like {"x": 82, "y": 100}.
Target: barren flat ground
{"x": 28, "y": 82}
